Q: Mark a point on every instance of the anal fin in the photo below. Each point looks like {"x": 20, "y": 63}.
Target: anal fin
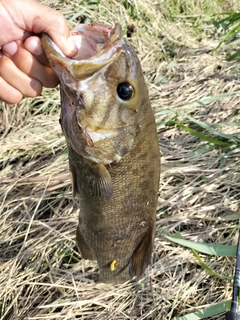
{"x": 142, "y": 255}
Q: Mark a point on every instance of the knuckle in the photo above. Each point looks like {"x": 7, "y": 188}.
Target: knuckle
{"x": 60, "y": 20}
{"x": 60, "y": 17}
{"x": 35, "y": 90}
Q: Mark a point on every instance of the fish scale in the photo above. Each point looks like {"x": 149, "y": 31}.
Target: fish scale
{"x": 130, "y": 213}
{"x": 113, "y": 151}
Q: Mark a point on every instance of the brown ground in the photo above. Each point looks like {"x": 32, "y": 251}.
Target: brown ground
{"x": 42, "y": 275}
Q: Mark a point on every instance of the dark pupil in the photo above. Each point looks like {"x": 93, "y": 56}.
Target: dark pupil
{"x": 125, "y": 91}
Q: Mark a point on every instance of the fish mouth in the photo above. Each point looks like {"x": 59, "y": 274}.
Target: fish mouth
{"x": 98, "y": 45}
{"x": 96, "y": 42}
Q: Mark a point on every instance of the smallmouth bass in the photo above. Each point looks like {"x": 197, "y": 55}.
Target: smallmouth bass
{"x": 113, "y": 150}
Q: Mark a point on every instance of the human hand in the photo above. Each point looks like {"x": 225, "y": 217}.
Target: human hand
{"x": 24, "y": 68}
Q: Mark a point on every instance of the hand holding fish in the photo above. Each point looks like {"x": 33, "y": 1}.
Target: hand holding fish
{"x": 24, "y": 69}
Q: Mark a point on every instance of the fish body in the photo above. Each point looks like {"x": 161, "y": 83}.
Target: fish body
{"x": 113, "y": 149}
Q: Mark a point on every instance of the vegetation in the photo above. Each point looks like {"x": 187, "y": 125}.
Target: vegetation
{"x": 195, "y": 93}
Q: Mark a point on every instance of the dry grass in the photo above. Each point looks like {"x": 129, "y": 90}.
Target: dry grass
{"x": 42, "y": 276}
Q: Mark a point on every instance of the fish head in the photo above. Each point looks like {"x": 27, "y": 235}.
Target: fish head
{"x": 103, "y": 92}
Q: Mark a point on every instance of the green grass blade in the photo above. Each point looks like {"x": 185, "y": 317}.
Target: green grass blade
{"x": 229, "y": 35}
{"x": 231, "y": 152}
{"x": 213, "y": 310}
{"x": 218, "y": 250}
{"x": 231, "y": 217}
{"x": 230, "y": 19}
{"x": 169, "y": 116}
{"x": 207, "y": 100}
{"x": 198, "y": 134}
{"x": 207, "y": 268}
{"x": 234, "y": 56}
{"x": 203, "y": 150}
{"x": 210, "y": 129}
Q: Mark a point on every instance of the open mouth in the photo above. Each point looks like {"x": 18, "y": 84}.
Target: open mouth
{"x": 95, "y": 43}
{"x": 96, "y": 40}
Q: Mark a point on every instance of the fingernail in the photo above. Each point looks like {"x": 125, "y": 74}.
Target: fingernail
{"x": 72, "y": 47}
{"x": 10, "y": 49}
{"x": 33, "y": 46}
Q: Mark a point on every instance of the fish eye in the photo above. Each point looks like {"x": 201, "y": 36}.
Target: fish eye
{"x": 125, "y": 91}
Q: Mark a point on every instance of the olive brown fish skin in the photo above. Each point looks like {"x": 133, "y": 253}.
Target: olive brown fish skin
{"x": 113, "y": 152}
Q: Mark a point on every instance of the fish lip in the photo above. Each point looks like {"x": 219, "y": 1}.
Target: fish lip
{"x": 101, "y": 42}
{"x": 98, "y": 46}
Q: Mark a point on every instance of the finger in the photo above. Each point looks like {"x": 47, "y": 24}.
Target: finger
{"x": 28, "y": 86}
{"x": 55, "y": 25}
{"x": 30, "y": 66}
{"x": 34, "y": 45}
{"x": 9, "y": 94}
{"x": 10, "y": 48}
{"x": 30, "y": 16}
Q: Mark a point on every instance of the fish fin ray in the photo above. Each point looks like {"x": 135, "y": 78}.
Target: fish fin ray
{"x": 142, "y": 255}
{"x": 100, "y": 181}
{"x": 83, "y": 248}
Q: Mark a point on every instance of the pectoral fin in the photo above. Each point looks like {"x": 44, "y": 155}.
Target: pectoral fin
{"x": 100, "y": 181}
{"x": 96, "y": 176}
{"x": 142, "y": 255}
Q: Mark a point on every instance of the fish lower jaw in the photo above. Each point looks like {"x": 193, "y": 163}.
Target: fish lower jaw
{"x": 99, "y": 136}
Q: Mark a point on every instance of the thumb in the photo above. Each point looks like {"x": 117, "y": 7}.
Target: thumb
{"x": 50, "y": 21}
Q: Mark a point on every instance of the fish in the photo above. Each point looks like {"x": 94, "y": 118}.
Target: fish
{"x": 113, "y": 150}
